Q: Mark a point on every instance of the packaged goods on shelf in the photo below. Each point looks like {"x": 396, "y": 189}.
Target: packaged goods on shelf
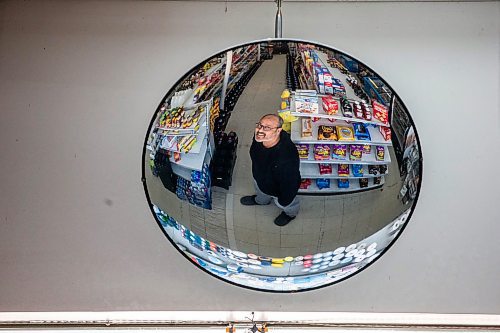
{"x": 345, "y": 133}
{"x": 360, "y": 132}
{"x": 306, "y": 101}
{"x": 383, "y": 169}
{"x": 343, "y": 170}
{"x": 321, "y": 152}
{"x": 303, "y": 151}
{"x": 346, "y": 107}
{"x": 355, "y": 152}
{"x": 339, "y": 151}
{"x": 305, "y": 183}
{"x": 367, "y": 149}
{"x": 327, "y": 133}
{"x": 306, "y": 127}
{"x": 357, "y": 170}
{"x": 380, "y": 153}
{"x": 330, "y": 106}
{"x": 358, "y": 112}
{"x": 380, "y": 112}
{"x": 374, "y": 170}
{"x": 377, "y": 180}
{"x": 325, "y": 169}
{"x": 385, "y": 131}
{"x": 363, "y": 182}
{"x": 322, "y": 183}
{"x": 343, "y": 183}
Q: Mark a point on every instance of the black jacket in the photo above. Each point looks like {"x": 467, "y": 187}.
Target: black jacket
{"x": 276, "y": 169}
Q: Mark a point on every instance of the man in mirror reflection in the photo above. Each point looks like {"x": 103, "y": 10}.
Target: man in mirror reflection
{"x": 275, "y": 169}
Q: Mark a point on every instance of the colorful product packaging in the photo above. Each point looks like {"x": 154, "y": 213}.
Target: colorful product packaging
{"x": 357, "y": 170}
{"x": 325, "y": 169}
{"x": 361, "y": 132}
{"x": 327, "y": 132}
{"x": 343, "y": 170}
{"x": 306, "y": 127}
{"x": 377, "y": 180}
{"x": 380, "y": 112}
{"x": 345, "y": 133}
{"x": 380, "y": 153}
{"x": 367, "y": 149}
{"x": 363, "y": 182}
{"x": 305, "y": 183}
{"x": 339, "y": 152}
{"x": 321, "y": 152}
{"x": 386, "y": 132}
{"x": 343, "y": 183}
{"x": 303, "y": 151}
{"x": 355, "y": 152}
{"x": 322, "y": 183}
{"x": 330, "y": 106}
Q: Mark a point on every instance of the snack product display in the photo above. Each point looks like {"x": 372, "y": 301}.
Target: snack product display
{"x": 367, "y": 149}
{"x": 305, "y": 183}
{"x": 345, "y": 133}
{"x": 361, "y": 132}
{"x": 357, "y": 170}
{"x": 339, "y": 151}
{"x": 380, "y": 112}
{"x": 383, "y": 169}
{"x": 327, "y": 132}
{"x": 306, "y": 127}
{"x": 343, "y": 170}
{"x": 330, "y": 106}
{"x": 303, "y": 150}
{"x": 346, "y": 107}
{"x": 386, "y": 132}
{"x": 322, "y": 183}
{"x": 321, "y": 152}
{"x": 380, "y": 153}
{"x": 377, "y": 180}
{"x": 343, "y": 183}
{"x": 373, "y": 170}
{"x": 363, "y": 182}
{"x": 355, "y": 152}
{"x": 325, "y": 169}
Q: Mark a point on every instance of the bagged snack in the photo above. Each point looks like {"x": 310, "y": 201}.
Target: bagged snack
{"x": 367, "y": 149}
{"x": 339, "y": 152}
{"x": 363, "y": 182}
{"x": 386, "y": 132}
{"x": 380, "y": 153}
{"x": 357, "y": 170}
{"x": 355, "y": 152}
{"x": 321, "y": 152}
{"x": 343, "y": 170}
{"x": 343, "y": 183}
{"x": 327, "y": 132}
{"x": 383, "y": 169}
{"x": 305, "y": 183}
{"x": 325, "y": 169}
{"x": 377, "y": 180}
{"x": 322, "y": 183}
{"x": 373, "y": 170}
{"x": 303, "y": 151}
{"x": 345, "y": 133}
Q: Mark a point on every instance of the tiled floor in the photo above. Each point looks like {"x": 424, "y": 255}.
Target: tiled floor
{"x": 323, "y": 223}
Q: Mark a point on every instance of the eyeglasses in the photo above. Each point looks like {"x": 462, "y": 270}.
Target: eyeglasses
{"x": 265, "y": 128}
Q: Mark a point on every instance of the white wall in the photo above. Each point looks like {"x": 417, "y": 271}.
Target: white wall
{"x": 80, "y": 81}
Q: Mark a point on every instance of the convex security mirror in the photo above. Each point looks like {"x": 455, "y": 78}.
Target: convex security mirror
{"x": 328, "y": 136}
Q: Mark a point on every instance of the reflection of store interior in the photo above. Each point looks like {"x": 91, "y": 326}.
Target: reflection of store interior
{"x": 339, "y": 115}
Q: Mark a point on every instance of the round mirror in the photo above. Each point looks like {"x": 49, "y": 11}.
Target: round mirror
{"x": 282, "y": 165}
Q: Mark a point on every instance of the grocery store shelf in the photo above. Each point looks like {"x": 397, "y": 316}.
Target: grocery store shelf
{"x": 367, "y": 159}
{"x": 312, "y": 171}
{"x": 353, "y": 187}
{"x": 202, "y": 133}
{"x": 191, "y": 160}
{"x": 375, "y": 135}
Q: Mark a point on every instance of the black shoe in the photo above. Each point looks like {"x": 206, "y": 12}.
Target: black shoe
{"x": 283, "y": 219}
{"x": 249, "y": 200}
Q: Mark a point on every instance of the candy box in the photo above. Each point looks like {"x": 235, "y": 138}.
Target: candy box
{"x": 386, "y": 132}
{"x": 361, "y": 132}
{"x": 367, "y": 149}
{"x": 303, "y": 151}
{"x": 330, "y": 106}
{"x": 363, "y": 182}
{"x": 325, "y": 169}
{"x": 379, "y": 153}
{"x": 306, "y": 127}
{"x": 357, "y": 170}
{"x": 339, "y": 152}
{"x": 321, "y": 152}
{"x": 327, "y": 132}
{"x": 343, "y": 170}
{"x": 345, "y": 133}
{"x": 380, "y": 112}
{"x": 358, "y": 112}
{"x": 377, "y": 180}
{"x": 343, "y": 183}
{"x": 355, "y": 152}
{"x": 322, "y": 183}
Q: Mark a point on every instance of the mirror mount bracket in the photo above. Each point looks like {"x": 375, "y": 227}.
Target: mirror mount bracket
{"x": 278, "y": 23}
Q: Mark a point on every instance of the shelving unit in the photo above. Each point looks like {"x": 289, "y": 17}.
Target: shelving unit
{"x": 309, "y": 167}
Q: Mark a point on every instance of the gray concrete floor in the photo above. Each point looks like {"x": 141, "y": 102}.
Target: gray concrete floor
{"x": 324, "y": 222}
